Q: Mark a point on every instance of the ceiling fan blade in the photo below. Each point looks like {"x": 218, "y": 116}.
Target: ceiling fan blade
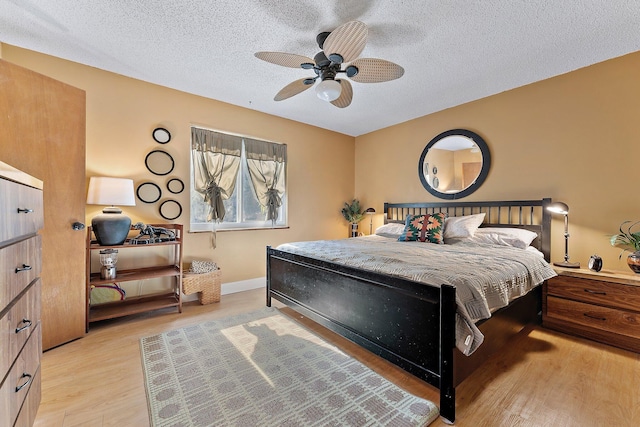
{"x": 292, "y": 89}
{"x": 346, "y": 94}
{"x": 348, "y": 41}
{"x": 290, "y": 60}
{"x": 372, "y": 70}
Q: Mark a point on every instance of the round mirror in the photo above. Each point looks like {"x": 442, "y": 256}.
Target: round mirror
{"x": 161, "y": 135}
{"x": 148, "y": 192}
{"x": 159, "y": 162}
{"x": 175, "y": 185}
{"x": 170, "y": 210}
{"x": 461, "y": 160}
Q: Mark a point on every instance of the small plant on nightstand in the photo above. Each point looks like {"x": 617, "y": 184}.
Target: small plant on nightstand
{"x": 629, "y": 240}
{"x": 352, "y": 213}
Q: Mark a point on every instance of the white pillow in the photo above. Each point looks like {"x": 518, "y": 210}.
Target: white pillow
{"x": 392, "y": 229}
{"x": 456, "y": 227}
{"x": 516, "y": 237}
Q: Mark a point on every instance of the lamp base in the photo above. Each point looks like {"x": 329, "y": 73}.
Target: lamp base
{"x": 111, "y": 229}
{"x": 567, "y": 264}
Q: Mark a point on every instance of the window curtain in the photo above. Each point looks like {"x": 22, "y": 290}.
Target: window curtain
{"x": 267, "y": 162}
{"x": 216, "y": 161}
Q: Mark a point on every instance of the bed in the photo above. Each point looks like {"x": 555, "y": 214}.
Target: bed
{"x": 411, "y": 323}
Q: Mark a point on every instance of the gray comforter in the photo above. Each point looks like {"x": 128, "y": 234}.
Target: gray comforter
{"x": 486, "y": 277}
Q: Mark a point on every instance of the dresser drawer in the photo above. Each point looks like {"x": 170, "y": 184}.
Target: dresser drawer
{"x": 595, "y": 292}
{"x": 20, "y": 264}
{"x": 17, "y": 325}
{"x": 603, "y": 318}
{"x": 27, "y": 414}
{"x": 14, "y": 197}
{"x": 18, "y": 381}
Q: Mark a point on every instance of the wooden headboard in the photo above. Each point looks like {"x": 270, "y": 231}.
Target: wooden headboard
{"x": 529, "y": 214}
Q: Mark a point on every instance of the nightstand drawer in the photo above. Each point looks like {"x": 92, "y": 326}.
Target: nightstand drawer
{"x": 595, "y": 292}
{"x": 604, "y": 318}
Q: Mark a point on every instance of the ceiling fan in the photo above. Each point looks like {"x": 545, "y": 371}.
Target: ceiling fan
{"x": 340, "y": 48}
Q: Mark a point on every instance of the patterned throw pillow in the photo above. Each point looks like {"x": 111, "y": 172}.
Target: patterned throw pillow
{"x": 424, "y": 228}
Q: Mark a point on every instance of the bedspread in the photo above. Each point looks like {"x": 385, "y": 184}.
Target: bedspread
{"x": 486, "y": 277}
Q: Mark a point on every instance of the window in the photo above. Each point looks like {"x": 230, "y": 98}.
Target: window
{"x": 237, "y": 182}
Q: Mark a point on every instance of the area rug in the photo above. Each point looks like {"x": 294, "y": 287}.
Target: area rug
{"x": 264, "y": 369}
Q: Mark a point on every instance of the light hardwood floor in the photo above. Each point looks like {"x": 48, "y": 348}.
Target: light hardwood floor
{"x": 544, "y": 379}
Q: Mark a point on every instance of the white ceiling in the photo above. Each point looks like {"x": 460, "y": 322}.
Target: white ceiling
{"x": 453, "y": 51}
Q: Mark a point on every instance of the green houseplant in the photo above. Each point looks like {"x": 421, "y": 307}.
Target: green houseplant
{"x": 354, "y": 214}
{"x": 629, "y": 240}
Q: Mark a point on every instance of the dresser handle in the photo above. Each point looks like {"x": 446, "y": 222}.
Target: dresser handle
{"x": 25, "y": 210}
{"x": 26, "y": 383}
{"x": 595, "y": 292}
{"x": 25, "y": 267}
{"x": 27, "y": 324}
{"x": 594, "y": 317}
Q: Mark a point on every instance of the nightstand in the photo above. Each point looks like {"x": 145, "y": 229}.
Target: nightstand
{"x": 602, "y": 306}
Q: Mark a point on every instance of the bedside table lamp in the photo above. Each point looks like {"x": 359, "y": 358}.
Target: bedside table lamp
{"x": 370, "y": 212}
{"x": 562, "y": 208}
{"x": 111, "y": 227}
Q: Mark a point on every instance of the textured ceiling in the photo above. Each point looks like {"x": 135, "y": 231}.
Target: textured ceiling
{"x": 452, "y": 51}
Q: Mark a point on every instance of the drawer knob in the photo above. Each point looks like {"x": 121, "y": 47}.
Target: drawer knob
{"x": 25, "y": 210}
{"x": 29, "y": 377}
{"x": 590, "y": 316}
{"x": 24, "y": 267}
{"x": 590, "y": 291}
{"x": 26, "y": 324}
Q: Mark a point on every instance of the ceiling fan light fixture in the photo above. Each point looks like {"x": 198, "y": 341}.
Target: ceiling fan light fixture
{"x": 336, "y": 58}
{"x": 328, "y": 90}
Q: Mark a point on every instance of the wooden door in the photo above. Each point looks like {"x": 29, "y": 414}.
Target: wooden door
{"x": 470, "y": 171}
{"x": 42, "y": 124}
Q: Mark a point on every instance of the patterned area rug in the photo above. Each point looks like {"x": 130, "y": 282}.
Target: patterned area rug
{"x": 264, "y": 369}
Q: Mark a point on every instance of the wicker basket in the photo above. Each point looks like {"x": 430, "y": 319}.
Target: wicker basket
{"x": 206, "y": 284}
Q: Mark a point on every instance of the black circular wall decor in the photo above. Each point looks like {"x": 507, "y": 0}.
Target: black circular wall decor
{"x": 161, "y": 135}
{"x": 148, "y": 192}
{"x": 175, "y": 185}
{"x": 159, "y": 162}
{"x": 170, "y": 209}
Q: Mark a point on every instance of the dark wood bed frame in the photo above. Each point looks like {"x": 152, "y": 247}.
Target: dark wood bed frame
{"x": 408, "y": 323}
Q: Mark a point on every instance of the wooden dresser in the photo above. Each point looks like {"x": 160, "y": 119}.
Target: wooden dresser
{"x": 21, "y": 216}
{"x": 602, "y": 306}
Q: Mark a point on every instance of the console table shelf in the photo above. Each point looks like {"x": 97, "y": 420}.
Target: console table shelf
{"x": 133, "y": 305}
{"x": 142, "y": 303}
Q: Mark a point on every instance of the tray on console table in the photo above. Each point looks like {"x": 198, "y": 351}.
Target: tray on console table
{"x": 602, "y": 306}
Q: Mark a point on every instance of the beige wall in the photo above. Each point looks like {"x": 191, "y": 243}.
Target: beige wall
{"x": 574, "y": 138}
{"x": 121, "y": 114}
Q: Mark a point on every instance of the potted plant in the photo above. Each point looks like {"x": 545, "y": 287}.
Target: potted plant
{"x": 629, "y": 240}
{"x": 353, "y": 213}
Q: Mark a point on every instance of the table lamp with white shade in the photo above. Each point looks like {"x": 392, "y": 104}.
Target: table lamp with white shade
{"x": 111, "y": 227}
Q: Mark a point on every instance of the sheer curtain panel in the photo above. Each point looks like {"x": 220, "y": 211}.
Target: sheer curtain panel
{"x": 267, "y": 162}
{"x": 216, "y": 161}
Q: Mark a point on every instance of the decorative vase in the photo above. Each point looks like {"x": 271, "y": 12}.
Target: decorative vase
{"x": 634, "y": 261}
{"x": 354, "y": 232}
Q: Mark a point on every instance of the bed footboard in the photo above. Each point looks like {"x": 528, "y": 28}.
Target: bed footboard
{"x": 410, "y": 324}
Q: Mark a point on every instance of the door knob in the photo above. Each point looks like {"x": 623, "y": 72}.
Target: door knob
{"x": 77, "y": 226}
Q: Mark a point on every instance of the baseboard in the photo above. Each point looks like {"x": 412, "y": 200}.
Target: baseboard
{"x": 233, "y": 287}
